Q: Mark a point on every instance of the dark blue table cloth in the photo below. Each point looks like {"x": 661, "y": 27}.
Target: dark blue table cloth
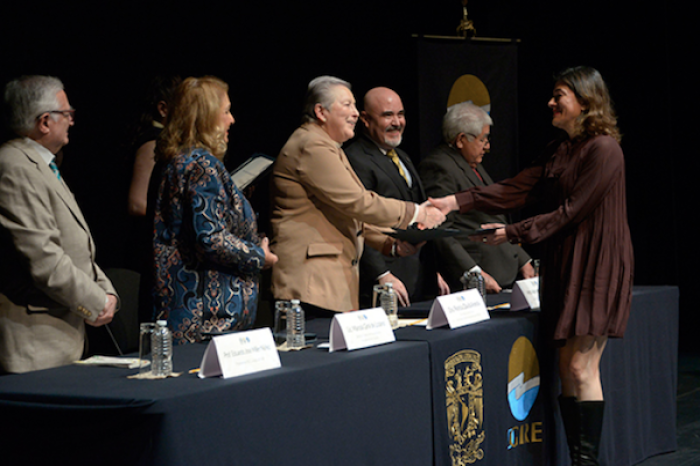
{"x": 425, "y": 399}
{"x": 348, "y": 408}
{"x": 639, "y": 376}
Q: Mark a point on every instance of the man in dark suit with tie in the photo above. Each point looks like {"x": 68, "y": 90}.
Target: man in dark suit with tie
{"x": 387, "y": 170}
{"x": 50, "y": 285}
{"x": 453, "y": 166}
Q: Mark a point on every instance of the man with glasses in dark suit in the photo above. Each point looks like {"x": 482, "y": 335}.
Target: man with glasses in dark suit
{"x": 453, "y": 166}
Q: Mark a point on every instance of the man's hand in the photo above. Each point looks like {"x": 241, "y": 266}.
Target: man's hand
{"x": 490, "y": 283}
{"x": 527, "y": 271}
{"x": 399, "y": 288}
{"x": 107, "y": 313}
{"x": 443, "y": 287}
{"x": 445, "y": 204}
{"x": 429, "y": 216}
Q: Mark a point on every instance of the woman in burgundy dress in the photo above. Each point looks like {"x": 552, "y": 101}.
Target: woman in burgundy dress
{"x": 587, "y": 263}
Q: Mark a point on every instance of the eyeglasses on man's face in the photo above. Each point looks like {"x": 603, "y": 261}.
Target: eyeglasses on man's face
{"x": 483, "y": 140}
{"x": 70, "y": 113}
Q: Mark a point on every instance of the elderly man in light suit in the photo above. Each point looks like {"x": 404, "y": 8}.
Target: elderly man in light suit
{"x": 49, "y": 282}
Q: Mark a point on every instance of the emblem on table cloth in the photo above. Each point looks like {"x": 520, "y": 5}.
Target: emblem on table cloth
{"x": 523, "y": 378}
{"x": 465, "y": 406}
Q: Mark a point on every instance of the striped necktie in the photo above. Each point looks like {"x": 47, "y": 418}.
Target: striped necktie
{"x": 54, "y": 168}
{"x": 395, "y": 158}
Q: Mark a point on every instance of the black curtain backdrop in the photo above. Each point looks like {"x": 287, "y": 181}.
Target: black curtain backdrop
{"x": 268, "y": 51}
{"x": 442, "y": 62}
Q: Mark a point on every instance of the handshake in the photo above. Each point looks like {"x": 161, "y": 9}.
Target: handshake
{"x": 433, "y": 212}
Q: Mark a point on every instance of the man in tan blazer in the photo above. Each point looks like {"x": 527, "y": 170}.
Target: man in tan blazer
{"x": 321, "y": 208}
{"x": 50, "y": 284}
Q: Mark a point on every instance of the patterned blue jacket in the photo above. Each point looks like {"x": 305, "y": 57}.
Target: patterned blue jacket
{"x": 207, "y": 258}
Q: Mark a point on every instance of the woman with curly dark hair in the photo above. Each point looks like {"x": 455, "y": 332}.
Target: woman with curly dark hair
{"x": 587, "y": 263}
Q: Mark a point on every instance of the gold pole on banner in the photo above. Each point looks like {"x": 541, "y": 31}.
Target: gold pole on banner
{"x": 466, "y": 31}
{"x": 470, "y": 39}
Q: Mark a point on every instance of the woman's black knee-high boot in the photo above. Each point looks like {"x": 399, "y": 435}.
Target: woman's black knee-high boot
{"x": 570, "y": 418}
{"x": 590, "y": 427}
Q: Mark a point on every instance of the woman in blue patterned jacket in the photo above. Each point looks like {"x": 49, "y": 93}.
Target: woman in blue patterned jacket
{"x": 208, "y": 255}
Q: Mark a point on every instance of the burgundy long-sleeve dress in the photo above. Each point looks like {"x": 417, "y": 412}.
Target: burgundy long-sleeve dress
{"x": 588, "y": 261}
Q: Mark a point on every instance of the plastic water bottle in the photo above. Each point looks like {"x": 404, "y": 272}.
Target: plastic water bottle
{"x": 473, "y": 279}
{"x": 296, "y": 326}
{"x": 162, "y": 347}
{"x": 389, "y": 302}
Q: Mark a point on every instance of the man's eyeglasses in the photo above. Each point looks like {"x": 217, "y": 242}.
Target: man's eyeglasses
{"x": 483, "y": 140}
{"x": 66, "y": 113}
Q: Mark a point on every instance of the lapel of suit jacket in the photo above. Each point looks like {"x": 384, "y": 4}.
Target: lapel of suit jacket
{"x": 59, "y": 186}
{"x": 408, "y": 163}
{"x": 358, "y": 225}
{"x": 384, "y": 163}
{"x": 482, "y": 171}
{"x": 464, "y": 166}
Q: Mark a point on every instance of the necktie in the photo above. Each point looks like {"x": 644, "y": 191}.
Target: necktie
{"x": 54, "y": 168}
{"x": 395, "y": 158}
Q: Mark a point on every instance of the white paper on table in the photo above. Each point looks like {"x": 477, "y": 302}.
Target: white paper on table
{"x": 457, "y": 310}
{"x": 113, "y": 361}
{"x": 360, "y": 329}
{"x": 240, "y": 353}
{"x": 525, "y": 295}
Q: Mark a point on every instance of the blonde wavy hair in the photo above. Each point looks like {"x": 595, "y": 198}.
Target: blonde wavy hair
{"x": 193, "y": 120}
{"x": 592, "y": 93}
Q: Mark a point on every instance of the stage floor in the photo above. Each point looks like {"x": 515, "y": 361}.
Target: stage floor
{"x": 688, "y": 422}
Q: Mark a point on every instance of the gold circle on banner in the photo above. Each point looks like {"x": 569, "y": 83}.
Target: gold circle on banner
{"x": 469, "y": 88}
{"x": 523, "y": 360}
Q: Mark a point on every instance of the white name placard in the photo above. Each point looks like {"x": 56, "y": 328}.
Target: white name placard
{"x": 457, "y": 310}
{"x": 526, "y": 295}
{"x": 240, "y": 353}
{"x": 360, "y": 329}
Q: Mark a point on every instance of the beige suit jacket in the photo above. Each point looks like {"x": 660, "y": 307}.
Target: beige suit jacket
{"x": 318, "y": 220}
{"x": 49, "y": 281}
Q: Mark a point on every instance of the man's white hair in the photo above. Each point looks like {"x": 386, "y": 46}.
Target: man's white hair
{"x": 28, "y": 97}
{"x": 464, "y": 118}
